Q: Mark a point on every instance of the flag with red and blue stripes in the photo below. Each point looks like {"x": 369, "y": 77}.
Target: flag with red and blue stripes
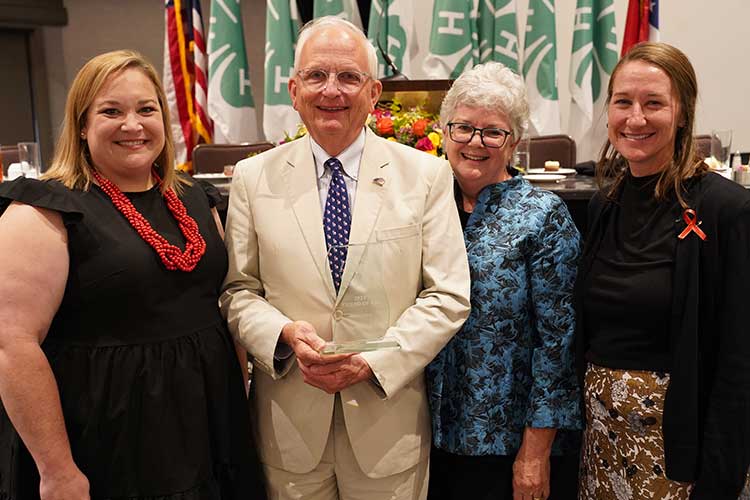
{"x": 641, "y": 24}
{"x": 185, "y": 78}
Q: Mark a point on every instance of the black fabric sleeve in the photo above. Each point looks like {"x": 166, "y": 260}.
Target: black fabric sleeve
{"x": 42, "y": 194}
{"x": 725, "y": 450}
{"x": 214, "y": 196}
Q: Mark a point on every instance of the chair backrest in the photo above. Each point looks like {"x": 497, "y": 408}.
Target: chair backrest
{"x": 211, "y": 158}
{"x": 552, "y": 147}
{"x": 8, "y": 155}
{"x": 703, "y": 144}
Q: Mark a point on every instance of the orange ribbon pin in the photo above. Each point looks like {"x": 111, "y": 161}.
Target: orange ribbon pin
{"x": 690, "y": 218}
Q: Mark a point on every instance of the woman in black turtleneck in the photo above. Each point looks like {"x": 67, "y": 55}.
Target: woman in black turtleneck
{"x": 663, "y": 344}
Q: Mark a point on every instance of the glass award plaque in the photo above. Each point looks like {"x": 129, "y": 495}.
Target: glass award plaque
{"x": 362, "y": 316}
{"x": 365, "y": 345}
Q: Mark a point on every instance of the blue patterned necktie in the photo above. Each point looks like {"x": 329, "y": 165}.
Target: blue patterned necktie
{"x": 336, "y": 221}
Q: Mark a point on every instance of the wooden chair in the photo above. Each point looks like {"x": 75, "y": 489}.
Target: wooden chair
{"x": 552, "y": 147}
{"x": 8, "y": 155}
{"x": 211, "y": 158}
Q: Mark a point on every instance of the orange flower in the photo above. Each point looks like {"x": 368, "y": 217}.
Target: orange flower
{"x": 385, "y": 126}
{"x": 420, "y": 126}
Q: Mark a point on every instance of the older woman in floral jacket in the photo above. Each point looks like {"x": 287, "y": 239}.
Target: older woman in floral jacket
{"x": 503, "y": 392}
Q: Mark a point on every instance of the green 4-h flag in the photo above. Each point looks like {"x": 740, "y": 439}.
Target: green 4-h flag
{"x": 498, "y": 33}
{"x": 282, "y": 25}
{"x": 593, "y": 58}
{"x": 454, "y": 43}
{"x": 345, "y": 9}
{"x": 540, "y": 67}
{"x": 230, "y": 97}
{"x": 465, "y": 33}
{"x": 392, "y": 24}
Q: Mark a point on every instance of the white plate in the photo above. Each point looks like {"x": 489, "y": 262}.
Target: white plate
{"x": 217, "y": 175}
{"x": 544, "y": 177}
{"x": 561, "y": 171}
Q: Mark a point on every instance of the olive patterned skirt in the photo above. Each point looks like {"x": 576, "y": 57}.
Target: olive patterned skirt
{"x": 623, "y": 446}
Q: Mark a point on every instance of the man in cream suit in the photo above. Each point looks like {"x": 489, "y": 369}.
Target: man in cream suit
{"x": 340, "y": 236}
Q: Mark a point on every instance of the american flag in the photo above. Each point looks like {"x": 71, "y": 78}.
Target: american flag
{"x": 641, "y": 24}
{"x": 185, "y": 80}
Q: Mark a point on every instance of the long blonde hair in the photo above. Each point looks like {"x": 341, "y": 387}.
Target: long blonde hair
{"x": 71, "y": 163}
{"x": 685, "y": 160}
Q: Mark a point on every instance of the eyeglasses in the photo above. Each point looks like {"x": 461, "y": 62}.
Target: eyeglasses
{"x": 490, "y": 137}
{"x": 348, "y": 81}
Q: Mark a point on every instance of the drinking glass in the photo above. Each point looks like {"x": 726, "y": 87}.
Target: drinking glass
{"x": 721, "y": 144}
{"x": 522, "y": 157}
{"x": 30, "y": 159}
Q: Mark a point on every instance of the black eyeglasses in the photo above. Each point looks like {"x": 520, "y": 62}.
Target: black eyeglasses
{"x": 490, "y": 137}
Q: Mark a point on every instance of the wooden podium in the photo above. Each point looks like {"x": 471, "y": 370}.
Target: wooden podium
{"x": 410, "y": 93}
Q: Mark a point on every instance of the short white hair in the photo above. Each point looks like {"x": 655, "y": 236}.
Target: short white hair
{"x": 320, "y": 23}
{"x": 491, "y": 86}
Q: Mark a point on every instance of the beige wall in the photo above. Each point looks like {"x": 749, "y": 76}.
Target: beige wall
{"x": 715, "y": 38}
{"x": 96, "y": 26}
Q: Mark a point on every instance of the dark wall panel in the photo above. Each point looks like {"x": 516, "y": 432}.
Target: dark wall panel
{"x": 22, "y": 13}
{"x": 16, "y": 120}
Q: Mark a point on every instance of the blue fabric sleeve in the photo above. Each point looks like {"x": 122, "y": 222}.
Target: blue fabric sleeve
{"x": 554, "y": 399}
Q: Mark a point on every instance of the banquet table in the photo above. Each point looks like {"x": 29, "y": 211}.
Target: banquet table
{"x": 573, "y": 187}
{"x": 575, "y": 191}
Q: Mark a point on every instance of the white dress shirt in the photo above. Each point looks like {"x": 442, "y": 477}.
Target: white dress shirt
{"x": 349, "y": 158}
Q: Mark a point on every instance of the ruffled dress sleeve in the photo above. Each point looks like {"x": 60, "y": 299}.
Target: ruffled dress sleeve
{"x": 51, "y": 195}
{"x": 215, "y": 200}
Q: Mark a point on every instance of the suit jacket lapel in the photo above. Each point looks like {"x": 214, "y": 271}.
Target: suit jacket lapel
{"x": 305, "y": 202}
{"x": 372, "y": 183}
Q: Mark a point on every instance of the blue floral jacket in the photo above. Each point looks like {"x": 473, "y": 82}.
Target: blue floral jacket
{"x": 511, "y": 365}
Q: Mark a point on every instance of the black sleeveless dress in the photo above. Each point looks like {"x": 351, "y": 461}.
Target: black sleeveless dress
{"x": 150, "y": 385}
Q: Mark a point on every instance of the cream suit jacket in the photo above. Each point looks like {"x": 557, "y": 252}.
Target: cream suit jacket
{"x": 406, "y": 275}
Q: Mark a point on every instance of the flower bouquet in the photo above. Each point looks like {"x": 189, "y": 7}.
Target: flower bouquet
{"x": 414, "y": 127}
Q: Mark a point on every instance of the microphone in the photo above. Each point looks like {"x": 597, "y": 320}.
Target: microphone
{"x": 396, "y": 74}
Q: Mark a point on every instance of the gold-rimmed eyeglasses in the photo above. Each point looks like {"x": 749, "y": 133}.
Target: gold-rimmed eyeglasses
{"x": 490, "y": 137}
{"x": 348, "y": 81}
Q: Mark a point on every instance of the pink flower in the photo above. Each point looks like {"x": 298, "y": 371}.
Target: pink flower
{"x": 424, "y": 144}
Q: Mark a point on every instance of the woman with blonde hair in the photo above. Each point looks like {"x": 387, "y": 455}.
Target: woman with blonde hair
{"x": 664, "y": 277}
{"x": 118, "y": 377}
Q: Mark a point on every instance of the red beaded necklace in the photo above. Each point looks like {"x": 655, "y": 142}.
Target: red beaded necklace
{"x": 172, "y": 257}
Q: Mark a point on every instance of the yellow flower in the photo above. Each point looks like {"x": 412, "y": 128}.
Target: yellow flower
{"x": 392, "y": 139}
{"x": 434, "y": 138}
{"x": 433, "y": 152}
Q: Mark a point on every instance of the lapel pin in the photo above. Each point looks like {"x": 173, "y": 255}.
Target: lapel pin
{"x": 379, "y": 181}
{"x": 691, "y": 219}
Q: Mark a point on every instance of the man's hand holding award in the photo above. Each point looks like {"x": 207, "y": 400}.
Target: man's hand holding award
{"x": 328, "y": 373}
{"x": 333, "y": 366}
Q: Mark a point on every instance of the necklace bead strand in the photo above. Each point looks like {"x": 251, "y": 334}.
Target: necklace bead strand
{"x": 171, "y": 256}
